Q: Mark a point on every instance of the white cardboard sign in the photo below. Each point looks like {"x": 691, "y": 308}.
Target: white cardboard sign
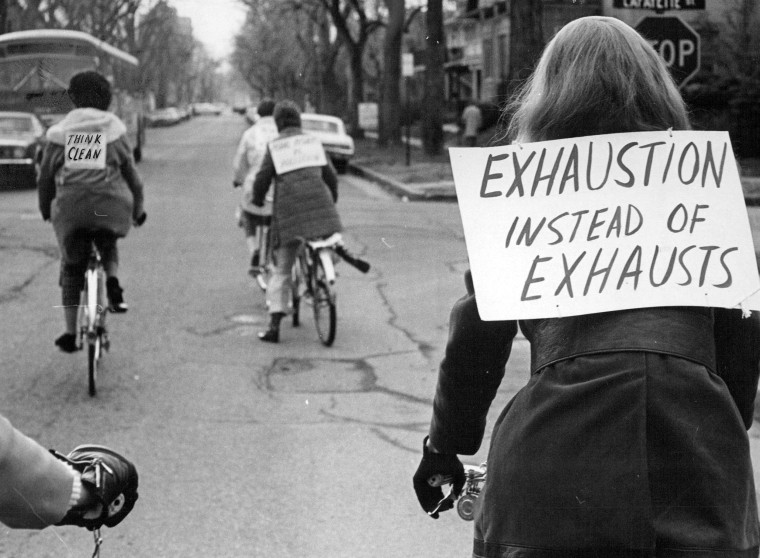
{"x": 85, "y": 150}
{"x": 609, "y": 222}
{"x": 297, "y": 152}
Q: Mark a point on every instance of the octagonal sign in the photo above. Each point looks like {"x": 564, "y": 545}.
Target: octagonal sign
{"x": 676, "y": 42}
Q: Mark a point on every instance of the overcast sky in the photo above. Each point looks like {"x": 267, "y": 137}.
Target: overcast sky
{"x": 215, "y": 22}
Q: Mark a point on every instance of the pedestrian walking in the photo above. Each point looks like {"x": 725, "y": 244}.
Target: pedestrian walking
{"x": 630, "y": 436}
{"x": 472, "y": 120}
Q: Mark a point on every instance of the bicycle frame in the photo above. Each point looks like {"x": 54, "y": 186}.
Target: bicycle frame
{"x": 95, "y": 293}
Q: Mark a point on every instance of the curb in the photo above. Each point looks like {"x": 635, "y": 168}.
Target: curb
{"x": 421, "y": 192}
{"x": 446, "y": 192}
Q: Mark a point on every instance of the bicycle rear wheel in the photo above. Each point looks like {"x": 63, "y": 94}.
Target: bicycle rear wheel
{"x": 299, "y": 286}
{"x": 323, "y": 304}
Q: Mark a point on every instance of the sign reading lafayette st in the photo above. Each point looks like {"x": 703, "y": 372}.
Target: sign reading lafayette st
{"x": 660, "y": 5}
{"x": 676, "y": 42}
{"x": 608, "y": 222}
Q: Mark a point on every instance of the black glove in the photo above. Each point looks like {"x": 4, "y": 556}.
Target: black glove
{"x": 110, "y": 478}
{"x": 140, "y": 219}
{"x": 436, "y": 469}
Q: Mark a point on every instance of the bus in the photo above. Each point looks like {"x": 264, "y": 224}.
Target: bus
{"x": 36, "y": 66}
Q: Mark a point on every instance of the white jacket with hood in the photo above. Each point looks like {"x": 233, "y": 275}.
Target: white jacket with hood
{"x": 83, "y": 187}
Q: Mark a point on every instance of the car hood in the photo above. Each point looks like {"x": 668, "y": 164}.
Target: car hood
{"x": 327, "y": 137}
{"x": 17, "y": 140}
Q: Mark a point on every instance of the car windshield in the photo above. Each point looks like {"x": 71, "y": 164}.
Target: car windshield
{"x": 319, "y": 126}
{"x": 15, "y": 124}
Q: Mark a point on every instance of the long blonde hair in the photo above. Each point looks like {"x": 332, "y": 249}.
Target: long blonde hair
{"x": 596, "y": 76}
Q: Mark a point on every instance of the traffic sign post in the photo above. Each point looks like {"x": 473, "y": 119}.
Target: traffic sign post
{"x": 676, "y": 42}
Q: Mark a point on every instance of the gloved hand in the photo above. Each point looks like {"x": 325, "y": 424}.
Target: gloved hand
{"x": 109, "y": 478}
{"x": 436, "y": 469}
{"x": 140, "y": 219}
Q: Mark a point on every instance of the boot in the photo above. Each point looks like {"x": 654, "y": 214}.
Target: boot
{"x": 67, "y": 343}
{"x": 115, "y": 296}
{"x": 272, "y": 334}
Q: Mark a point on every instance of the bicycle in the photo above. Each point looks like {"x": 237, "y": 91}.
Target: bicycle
{"x": 313, "y": 278}
{"x": 468, "y": 502}
{"x": 91, "y": 320}
{"x": 93, "y": 306}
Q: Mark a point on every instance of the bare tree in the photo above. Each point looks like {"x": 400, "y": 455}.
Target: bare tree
{"x": 165, "y": 51}
{"x": 390, "y": 100}
{"x": 289, "y": 48}
{"x": 355, "y": 21}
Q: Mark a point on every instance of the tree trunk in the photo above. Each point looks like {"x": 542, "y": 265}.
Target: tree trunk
{"x": 356, "y": 90}
{"x": 433, "y": 105}
{"x": 390, "y": 101}
{"x": 526, "y": 40}
{"x": 3, "y": 16}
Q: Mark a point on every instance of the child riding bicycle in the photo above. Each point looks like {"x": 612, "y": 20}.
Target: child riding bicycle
{"x": 306, "y": 189}
{"x": 90, "y": 189}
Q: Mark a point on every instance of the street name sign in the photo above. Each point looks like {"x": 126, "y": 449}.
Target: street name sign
{"x": 676, "y": 42}
{"x": 660, "y": 5}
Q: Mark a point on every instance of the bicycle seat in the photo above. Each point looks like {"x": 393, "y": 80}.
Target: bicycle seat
{"x": 329, "y": 242}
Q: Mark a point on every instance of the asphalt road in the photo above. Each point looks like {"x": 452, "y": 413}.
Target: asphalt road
{"x": 244, "y": 448}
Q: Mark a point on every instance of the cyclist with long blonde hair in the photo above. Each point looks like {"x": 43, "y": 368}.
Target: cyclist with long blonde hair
{"x": 630, "y": 437}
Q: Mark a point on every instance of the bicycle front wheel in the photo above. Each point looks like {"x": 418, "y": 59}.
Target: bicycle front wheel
{"x": 323, "y": 304}
{"x": 93, "y": 357}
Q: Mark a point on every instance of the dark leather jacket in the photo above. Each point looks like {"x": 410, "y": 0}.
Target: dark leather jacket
{"x": 476, "y": 353}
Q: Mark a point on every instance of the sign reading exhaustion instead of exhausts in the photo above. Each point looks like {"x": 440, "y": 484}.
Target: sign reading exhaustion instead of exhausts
{"x": 609, "y": 222}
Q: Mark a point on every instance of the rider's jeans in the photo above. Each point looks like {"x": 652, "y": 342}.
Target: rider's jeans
{"x": 280, "y": 284}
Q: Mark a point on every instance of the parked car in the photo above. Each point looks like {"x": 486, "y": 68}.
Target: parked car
{"x": 22, "y": 138}
{"x": 164, "y": 117}
{"x": 331, "y": 131}
{"x": 207, "y": 108}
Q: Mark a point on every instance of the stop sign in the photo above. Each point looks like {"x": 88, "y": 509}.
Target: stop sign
{"x": 675, "y": 42}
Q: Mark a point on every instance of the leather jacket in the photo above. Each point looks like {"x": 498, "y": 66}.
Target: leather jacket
{"x": 477, "y": 351}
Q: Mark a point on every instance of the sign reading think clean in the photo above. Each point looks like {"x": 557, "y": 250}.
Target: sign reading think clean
{"x": 297, "y": 152}
{"x": 85, "y": 150}
{"x": 607, "y": 222}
